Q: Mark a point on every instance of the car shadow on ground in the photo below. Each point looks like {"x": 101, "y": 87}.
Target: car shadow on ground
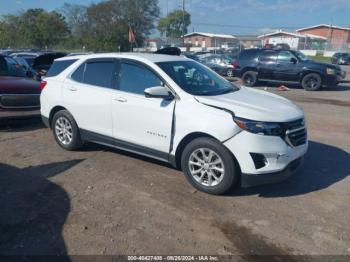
{"x": 324, "y": 166}
{"x": 21, "y": 124}
{"x": 33, "y": 210}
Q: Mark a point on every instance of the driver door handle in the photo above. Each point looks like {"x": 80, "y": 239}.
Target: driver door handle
{"x": 120, "y": 99}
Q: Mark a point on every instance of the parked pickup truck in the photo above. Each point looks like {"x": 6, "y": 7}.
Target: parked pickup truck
{"x": 19, "y": 94}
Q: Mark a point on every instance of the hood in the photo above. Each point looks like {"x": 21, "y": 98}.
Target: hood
{"x": 320, "y": 64}
{"x": 255, "y": 105}
{"x": 18, "y": 85}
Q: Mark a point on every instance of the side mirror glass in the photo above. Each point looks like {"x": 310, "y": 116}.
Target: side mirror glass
{"x": 159, "y": 92}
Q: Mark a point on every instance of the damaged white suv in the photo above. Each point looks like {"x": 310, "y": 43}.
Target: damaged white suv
{"x": 176, "y": 110}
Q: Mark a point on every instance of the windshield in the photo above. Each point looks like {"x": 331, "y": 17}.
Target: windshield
{"x": 197, "y": 79}
{"x": 10, "y": 67}
{"x": 301, "y": 56}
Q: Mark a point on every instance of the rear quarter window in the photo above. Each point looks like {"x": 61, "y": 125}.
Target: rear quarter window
{"x": 59, "y": 66}
{"x": 249, "y": 54}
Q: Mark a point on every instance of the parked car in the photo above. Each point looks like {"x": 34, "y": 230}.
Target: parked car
{"x": 221, "y": 61}
{"x": 28, "y": 56}
{"x": 176, "y": 110}
{"x": 285, "y": 66}
{"x": 43, "y": 62}
{"x": 19, "y": 94}
{"x": 341, "y": 58}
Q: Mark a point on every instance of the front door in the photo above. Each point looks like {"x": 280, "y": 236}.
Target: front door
{"x": 287, "y": 67}
{"x": 144, "y": 123}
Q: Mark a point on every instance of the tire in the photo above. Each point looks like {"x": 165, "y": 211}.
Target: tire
{"x": 249, "y": 78}
{"x": 311, "y": 82}
{"x": 224, "y": 169}
{"x": 229, "y": 73}
{"x": 64, "y": 122}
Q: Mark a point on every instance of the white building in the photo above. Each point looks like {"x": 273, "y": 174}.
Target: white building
{"x": 294, "y": 40}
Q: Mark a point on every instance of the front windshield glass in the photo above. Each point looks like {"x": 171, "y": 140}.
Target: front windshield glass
{"x": 301, "y": 56}
{"x": 197, "y": 79}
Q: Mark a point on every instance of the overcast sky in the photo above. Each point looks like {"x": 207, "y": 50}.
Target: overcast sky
{"x": 232, "y": 16}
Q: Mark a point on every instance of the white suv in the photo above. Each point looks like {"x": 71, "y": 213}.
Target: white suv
{"x": 175, "y": 110}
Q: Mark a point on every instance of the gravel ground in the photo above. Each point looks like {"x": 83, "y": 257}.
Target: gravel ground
{"x": 105, "y": 201}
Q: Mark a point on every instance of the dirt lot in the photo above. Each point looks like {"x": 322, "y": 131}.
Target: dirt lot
{"x": 104, "y": 201}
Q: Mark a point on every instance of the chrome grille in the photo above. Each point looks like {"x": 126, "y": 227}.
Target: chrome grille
{"x": 296, "y": 134}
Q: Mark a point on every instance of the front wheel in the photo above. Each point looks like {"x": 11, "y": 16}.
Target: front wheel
{"x": 209, "y": 166}
{"x": 311, "y": 82}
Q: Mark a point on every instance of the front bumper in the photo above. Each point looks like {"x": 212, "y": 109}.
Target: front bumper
{"x": 279, "y": 157}
{"x": 249, "y": 180}
{"x": 335, "y": 79}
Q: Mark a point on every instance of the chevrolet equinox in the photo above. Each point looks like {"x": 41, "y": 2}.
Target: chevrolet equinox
{"x": 176, "y": 110}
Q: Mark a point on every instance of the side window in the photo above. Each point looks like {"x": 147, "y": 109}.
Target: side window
{"x": 268, "y": 56}
{"x": 58, "y": 67}
{"x": 285, "y": 56}
{"x": 135, "y": 78}
{"x": 3, "y": 66}
{"x": 78, "y": 74}
{"x": 99, "y": 73}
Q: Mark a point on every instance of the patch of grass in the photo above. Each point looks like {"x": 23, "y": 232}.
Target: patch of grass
{"x": 320, "y": 58}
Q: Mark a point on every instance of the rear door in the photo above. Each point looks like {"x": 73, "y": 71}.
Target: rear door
{"x": 267, "y": 64}
{"x": 87, "y": 95}
{"x": 287, "y": 68}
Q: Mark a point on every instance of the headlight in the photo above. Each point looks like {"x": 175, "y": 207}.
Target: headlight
{"x": 330, "y": 71}
{"x": 261, "y": 128}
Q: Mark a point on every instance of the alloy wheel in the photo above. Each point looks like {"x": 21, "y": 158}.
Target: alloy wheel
{"x": 63, "y": 130}
{"x": 206, "y": 167}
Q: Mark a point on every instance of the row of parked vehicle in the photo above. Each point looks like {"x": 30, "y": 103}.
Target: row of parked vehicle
{"x": 20, "y": 74}
{"x": 280, "y": 65}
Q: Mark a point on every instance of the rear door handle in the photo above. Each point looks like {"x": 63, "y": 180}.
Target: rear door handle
{"x": 120, "y": 99}
{"x": 72, "y": 88}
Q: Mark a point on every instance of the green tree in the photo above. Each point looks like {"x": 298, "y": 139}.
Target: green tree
{"x": 108, "y": 23}
{"x": 76, "y": 18}
{"x": 33, "y": 28}
{"x": 174, "y": 24}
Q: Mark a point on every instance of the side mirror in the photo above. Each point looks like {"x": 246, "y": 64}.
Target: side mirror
{"x": 159, "y": 92}
{"x": 293, "y": 60}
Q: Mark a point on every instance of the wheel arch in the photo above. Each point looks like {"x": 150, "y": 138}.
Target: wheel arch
{"x": 246, "y": 69}
{"x": 187, "y": 139}
{"x": 304, "y": 73}
{"x": 54, "y": 111}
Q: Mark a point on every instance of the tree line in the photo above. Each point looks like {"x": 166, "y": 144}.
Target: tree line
{"x": 98, "y": 27}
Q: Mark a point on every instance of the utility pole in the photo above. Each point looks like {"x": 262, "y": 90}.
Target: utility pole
{"x": 183, "y": 22}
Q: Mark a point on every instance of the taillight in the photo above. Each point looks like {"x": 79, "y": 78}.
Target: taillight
{"x": 235, "y": 63}
{"x": 42, "y": 85}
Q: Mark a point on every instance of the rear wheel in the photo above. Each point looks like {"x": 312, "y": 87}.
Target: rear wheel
{"x": 249, "y": 78}
{"x": 209, "y": 166}
{"x": 311, "y": 82}
{"x": 66, "y": 131}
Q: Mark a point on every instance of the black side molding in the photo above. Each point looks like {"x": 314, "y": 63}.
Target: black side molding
{"x": 120, "y": 144}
